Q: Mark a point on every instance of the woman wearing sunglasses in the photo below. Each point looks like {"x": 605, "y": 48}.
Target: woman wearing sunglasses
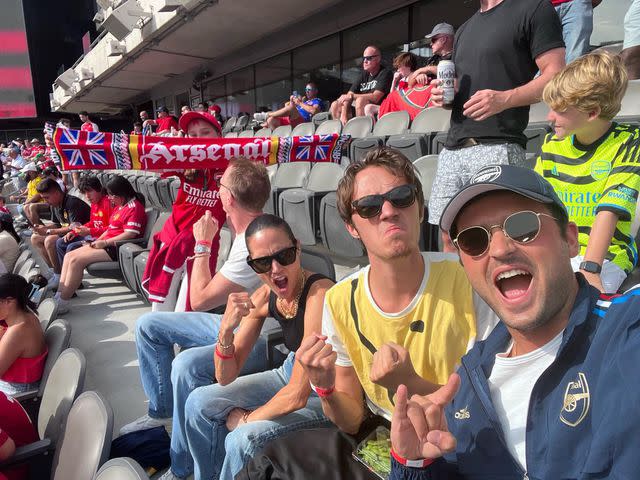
{"x": 240, "y": 414}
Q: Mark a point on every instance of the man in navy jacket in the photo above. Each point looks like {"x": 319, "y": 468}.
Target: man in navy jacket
{"x": 551, "y": 393}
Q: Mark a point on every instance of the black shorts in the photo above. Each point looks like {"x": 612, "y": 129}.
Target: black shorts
{"x": 112, "y": 252}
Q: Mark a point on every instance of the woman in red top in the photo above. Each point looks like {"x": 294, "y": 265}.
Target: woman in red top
{"x": 16, "y": 430}
{"x": 127, "y": 221}
{"x": 22, "y": 347}
{"x": 91, "y": 187}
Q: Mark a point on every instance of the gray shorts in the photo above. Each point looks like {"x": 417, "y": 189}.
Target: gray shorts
{"x": 456, "y": 167}
{"x": 632, "y": 26}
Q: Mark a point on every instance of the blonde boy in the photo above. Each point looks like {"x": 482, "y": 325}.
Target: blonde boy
{"x": 592, "y": 163}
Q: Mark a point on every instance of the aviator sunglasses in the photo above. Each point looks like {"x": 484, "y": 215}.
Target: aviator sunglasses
{"x": 371, "y": 205}
{"x": 522, "y": 227}
{"x": 284, "y": 257}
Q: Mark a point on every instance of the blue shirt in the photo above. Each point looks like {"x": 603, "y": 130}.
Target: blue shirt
{"x": 313, "y": 102}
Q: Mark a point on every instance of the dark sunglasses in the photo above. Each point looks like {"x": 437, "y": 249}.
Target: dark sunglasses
{"x": 368, "y": 58}
{"x": 284, "y": 257}
{"x": 371, "y": 205}
{"x": 522, "y": 227}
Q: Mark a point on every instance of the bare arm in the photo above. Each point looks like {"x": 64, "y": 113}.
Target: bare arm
{"x": 374, "y": 97}
{"x": 7, "y": 449}
{"x": 345, "y": 407}
{"x": 11, "y": 347}
{"x": 599, "y": 240}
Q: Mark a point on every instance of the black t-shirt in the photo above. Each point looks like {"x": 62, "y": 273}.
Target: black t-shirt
{"x": 434, "y": 60}
{"x": 496, "y": 50}
{"x": 71, "y": 210}
{"x": 369, "y": 83}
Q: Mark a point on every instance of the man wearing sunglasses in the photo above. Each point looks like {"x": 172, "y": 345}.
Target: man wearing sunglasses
{"x": 296, "y": 110}
{"x": 372, "y": 86}
{"x": 546, "y": 396}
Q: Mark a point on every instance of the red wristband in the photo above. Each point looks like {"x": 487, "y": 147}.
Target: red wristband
{"x": 420, "y": 463}
{"x": 221, "y": 355}
{"x": 206, "y": 243}
{"x": 322, "y": 392}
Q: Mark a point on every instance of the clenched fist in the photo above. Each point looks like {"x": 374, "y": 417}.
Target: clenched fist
{"x": 392, "y": 366}
{"x": 205, "y": 228}
{"x": 238, "y": 306}
{"x": 319, "y": 360}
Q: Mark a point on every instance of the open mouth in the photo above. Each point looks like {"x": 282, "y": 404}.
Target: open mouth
{"x": 280, "y": 282}
{"x": 513, "y": 283}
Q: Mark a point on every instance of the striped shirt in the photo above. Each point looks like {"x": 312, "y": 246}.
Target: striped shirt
{"x": 602, "y": 176}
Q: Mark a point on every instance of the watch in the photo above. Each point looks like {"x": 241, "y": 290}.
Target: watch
{"x": 201, "y": 249}
{"x": 591, "y": 267}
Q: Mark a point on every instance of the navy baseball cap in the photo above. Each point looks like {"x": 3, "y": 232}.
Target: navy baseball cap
{"x": 522, "y": 181}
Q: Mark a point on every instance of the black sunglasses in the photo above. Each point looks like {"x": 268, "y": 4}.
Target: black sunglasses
{"x": 522, "y": 227}
{"x": 371, "y": 205}
{"x": 284, "y": 257}
{"x": 368, "y": 58}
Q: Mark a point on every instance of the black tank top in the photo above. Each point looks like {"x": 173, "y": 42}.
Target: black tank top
{"x": 293, "y": 328}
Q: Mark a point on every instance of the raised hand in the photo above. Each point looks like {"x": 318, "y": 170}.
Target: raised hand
{"x": 238, "y": 306}
{"x": 205, "y": 228}
{"x": 391, "y": 366}
{"x": 418, "y": 425}
{"x": 319, "y": 360}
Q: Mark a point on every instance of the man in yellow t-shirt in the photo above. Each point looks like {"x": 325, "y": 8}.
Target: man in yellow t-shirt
{"x": 33, "y": 202}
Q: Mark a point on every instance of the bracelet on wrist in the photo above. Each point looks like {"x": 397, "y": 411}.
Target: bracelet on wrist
{"x": 222, "y": 356}
{"x": 245, "y": 416}
{"x": 322, "y": 392}
{"x": 206, "y": 243}
{"x": 419, "y": 463}
{"x": 225, "y": 346}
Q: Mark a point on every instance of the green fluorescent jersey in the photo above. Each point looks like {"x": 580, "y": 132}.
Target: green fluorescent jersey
{"x": 602, "y": 176}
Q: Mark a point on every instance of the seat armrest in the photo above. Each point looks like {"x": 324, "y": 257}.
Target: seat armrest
{"x": 25, "y": 396}
{"x": 27, "y": 452}
{"x": 137, "y": 241}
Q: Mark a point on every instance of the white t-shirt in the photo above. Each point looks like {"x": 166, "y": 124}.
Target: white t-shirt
{"x": 9, "y": 251}
{"x": 511, "y": 383}
{"x": 236, "y": 269}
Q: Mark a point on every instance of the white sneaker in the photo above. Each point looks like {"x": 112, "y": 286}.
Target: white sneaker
{"x": 63, "y": 305}
{"x": 145, "y": 422}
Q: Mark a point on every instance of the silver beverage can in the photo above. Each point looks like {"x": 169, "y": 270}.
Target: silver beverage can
{"x": 447, "y": 76}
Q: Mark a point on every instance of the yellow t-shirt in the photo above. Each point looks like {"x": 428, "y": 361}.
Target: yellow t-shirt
{"x": 31, "y": 187}
{"x": 437, "y": 328}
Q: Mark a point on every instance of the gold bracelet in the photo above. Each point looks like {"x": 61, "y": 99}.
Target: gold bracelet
{"x": 222, "y": 345}
{"x": 245, "y": 416}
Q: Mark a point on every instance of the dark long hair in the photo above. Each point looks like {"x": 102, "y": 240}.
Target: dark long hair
{"x": 6, "y": 225}
{"x": 120, "y": 187}
{"x": 14, "y": 286}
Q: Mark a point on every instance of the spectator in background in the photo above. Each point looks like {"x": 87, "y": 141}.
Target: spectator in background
{"x": 147, "y": 128}
{"x": 404, "y": 64}
{"x": 127, "y": 221}
{"x": 33, "y": 204}
{"x": 498, "y": 53}
{"x": 87, "y": 124}
{"x": 22, "y": 348}
{"x": 17, "y": 164}
{"x": 202, "y": 107}
{"x": 137, "y": 128}
{"x": 576, "y": 17}
{"x": 441, "y": 41}
{"x": 3, "y": 206}
{"x": 592, "y": 163}
{"x": 9, "y": 243}
{"x": 16, "y": 430}
{"x": 631, "y": 46}
{"x": 36, "y": 148}
{"x": 216, "y": 112}
{"x": 372, "y": 86}
{"x": 65, "y": 210}
{"x": 297, "y": 110}
{"x": 185, "y": 109}
{"x": 165, "y": 123}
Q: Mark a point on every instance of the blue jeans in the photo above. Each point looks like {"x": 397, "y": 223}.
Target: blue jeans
{"x": 576, "y": 17}
{"x": 167, "y": 382}
{"x": 220, "y": 454}
{"x": 63, "y": 247}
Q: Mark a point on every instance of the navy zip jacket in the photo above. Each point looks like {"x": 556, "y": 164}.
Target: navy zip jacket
{"x": 584, "y": 412}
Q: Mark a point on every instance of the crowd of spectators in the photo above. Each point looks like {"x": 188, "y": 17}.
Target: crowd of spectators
{"x": 507, "y": 355}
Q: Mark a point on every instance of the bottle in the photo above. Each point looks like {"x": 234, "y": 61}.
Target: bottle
{"x": 447, "y": 76}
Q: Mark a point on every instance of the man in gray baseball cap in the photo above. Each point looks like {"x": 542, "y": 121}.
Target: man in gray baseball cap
{"x": 441, "y": 42}
{"x": 441, "y": 29}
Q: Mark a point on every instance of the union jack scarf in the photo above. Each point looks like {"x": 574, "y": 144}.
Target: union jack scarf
{"x": 118, "y": 151}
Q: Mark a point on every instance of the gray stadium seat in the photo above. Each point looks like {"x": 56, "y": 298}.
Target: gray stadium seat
{"x": 438, "y": 142}
{"x": 141, "y": 184}
{"x": 271, "y": 171}
{"x": 173, "y": 190}
{"x": 152, "y": 192}
{"x": 393, "y": 123}
{"x": 424, "y": 127}
{"x": 282, "y": 131}
{"x": 320, "y": 117}
{"x": 303, "y": 129}
{"x": 123, "y": 468}
{"x": 111, "y": 269}
{"x": 49, "y": 410}
{"x": 538, "y": 113}
{"x": 317, "y": 262}
{"x": 26, "y": 267}
{"x": 334, "y": 234}
{"x": 231, "y": 135}
{"x": 328, "y": 127}
{"x": 631, "y": 100}
{"x": 128, "y": 252}
{"x": 299, "y": 206}
{"x": 164, "y": 190}
{"x": 429, "y": 234}
{"x": 241, "y": 123}
{"x": 139, "y": 264}
{"x": 358, "y": 127}
{"x": 229, "y": 124}
{"x": 246, "y": 134}
{"x": 86, "y": 442}
{"x": 288, "y": 175}
{"x": 538, "y": 127}
{"x": 23, "y": 257}
{"x": 47, "y": 312}
{"x": 263, "y": 132}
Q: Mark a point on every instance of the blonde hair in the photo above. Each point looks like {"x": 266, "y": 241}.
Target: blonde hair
{"x": 596, "y": 80}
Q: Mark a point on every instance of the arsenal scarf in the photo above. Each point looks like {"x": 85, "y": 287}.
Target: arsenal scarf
{"x": 80, "y": 150}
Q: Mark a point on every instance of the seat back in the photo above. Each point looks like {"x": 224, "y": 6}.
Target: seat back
{"x": 56, "y": 336}
{"x": 427, "y": 167}
{"x": 271, "y": 171}
{"x": 303, "y": 129}
{"x": 123, "y": 468}
{"x": 241, "y": 123}
{"x": 23, "y": 257}
{"x": 318, "y": 263}
{"x": 320, "y": 117}
{"x": 291, "y": 175}
{"x": 86, "y": 441}
{"x": 157, "y": 226}
{"x": 335, "y": 236}
{"x": 263, "y": 132}
{"x": 631, "y": 100}
{"x": 246, "y": 134}
{"x": 431, "y": 120}
{"x": 63, "y": 386}
{"x": 173, "y": 190}
{"x": 328, "y": 127}
{"x": 47, "y": 311}
{"x": 393, "y": 123}
{"x": 538, "y": 112}
{"x": 152, "y": 216}
{"x": 324, "y": 177}
{"x": 282, "y": 131}
{"x": 231, "y": 135}
{"x": 229, "y": 124}
{"x": 26, "y": 267}
{"x": 358, "y": 127}
{"x": 152, "y": 192}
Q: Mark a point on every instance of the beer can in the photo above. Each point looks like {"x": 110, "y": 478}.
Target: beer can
{"x": 447, "y": 76}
